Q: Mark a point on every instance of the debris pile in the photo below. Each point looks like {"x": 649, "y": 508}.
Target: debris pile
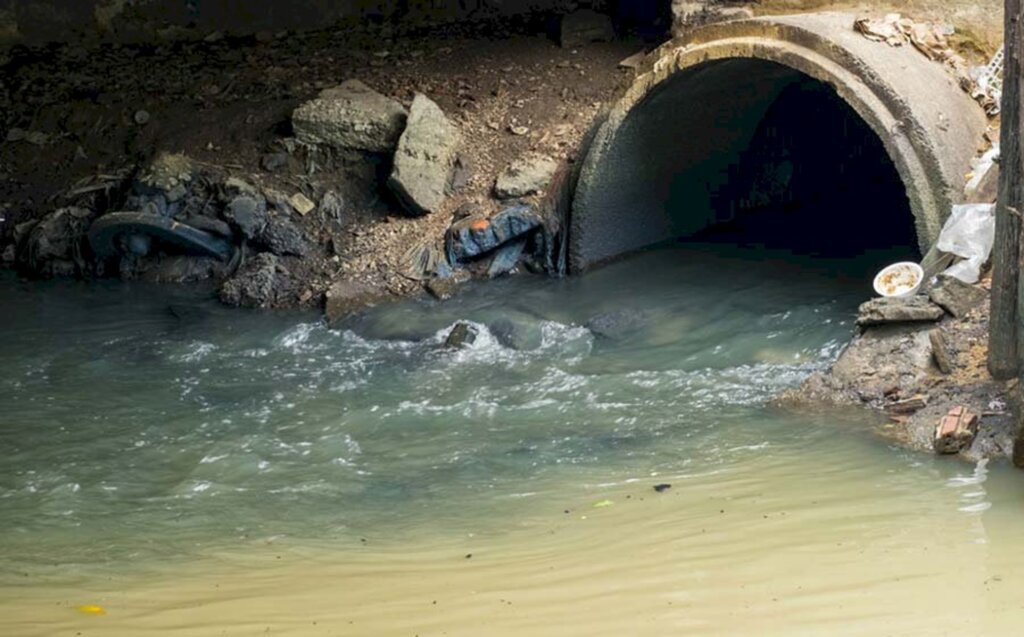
{"x": 932, "y": 40}
{"x": 266, "y": 167}
{"x": 922, "y": 357}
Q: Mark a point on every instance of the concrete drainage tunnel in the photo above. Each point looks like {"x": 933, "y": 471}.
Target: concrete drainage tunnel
{"x": 755, "y": 154}
{"x": 777, "y": 136}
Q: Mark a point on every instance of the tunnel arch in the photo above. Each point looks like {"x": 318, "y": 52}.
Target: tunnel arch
{"x": 719, "y": 80}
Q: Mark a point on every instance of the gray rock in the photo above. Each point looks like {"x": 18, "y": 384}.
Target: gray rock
{"x": 526, "y": 176}
{"x": 284, "y": 238}
{"x": 883, "y": 311}
{"x": 273, "y": 162}
{"x": 254, "y": 283}
{"x": 956, "y": 297}
{"x": 425, "y": 158}
{"x": 618, "y": 325}
{"x": 351, "y": 116}
{"x": 884, "y": 357}
{"x": 471, "y": 238}
{"x": 940, "y": 351}
{"x": 248, "y": 213}
{"x": 462, "y": 335}
{"x": 442, "y": 289}
{"x": 585, "y": 26}
{"x": 345, "y": 298}
{"x": 514, "y": 334}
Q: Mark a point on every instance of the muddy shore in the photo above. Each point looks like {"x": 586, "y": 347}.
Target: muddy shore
{"x": 912, "y": 374}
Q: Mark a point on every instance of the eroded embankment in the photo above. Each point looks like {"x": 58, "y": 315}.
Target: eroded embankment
{"x": 202, "y": 132}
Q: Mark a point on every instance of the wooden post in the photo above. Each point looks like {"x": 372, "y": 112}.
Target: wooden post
{"x": 1011, "y": 205}
{"x": 1005, "y": 343}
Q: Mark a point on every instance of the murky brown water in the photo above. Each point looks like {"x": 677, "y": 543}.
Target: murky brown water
{"x": 762, "y": 546}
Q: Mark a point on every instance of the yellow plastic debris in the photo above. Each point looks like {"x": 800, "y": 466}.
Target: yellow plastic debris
{"x": 92, "y": 609}
{"x": 603, "y": 504}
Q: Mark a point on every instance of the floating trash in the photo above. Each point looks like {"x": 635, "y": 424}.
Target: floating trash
{"x": 92, "y": 609}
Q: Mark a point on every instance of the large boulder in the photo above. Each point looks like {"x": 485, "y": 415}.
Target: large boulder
{"x": 425, "y": 159}
{"x": 351, "y": 116}
{"x": 526, "y": 176}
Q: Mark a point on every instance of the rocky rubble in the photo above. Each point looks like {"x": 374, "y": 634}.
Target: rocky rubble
{"x": 254, "y": 285}
{"x": 293, "y": 178}
{"x": 916, "y": 368}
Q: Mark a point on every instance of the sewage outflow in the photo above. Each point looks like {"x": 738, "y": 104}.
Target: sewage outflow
{"x": 194, "y": 470}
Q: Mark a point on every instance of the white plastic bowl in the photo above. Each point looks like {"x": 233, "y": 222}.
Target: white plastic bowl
{"x": 899, "y": 280}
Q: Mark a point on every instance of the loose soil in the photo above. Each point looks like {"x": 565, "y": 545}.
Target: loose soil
{"x": 226, "y": 103}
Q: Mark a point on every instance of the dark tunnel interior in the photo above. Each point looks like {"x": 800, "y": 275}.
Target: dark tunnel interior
{"x": 752, "y": 154}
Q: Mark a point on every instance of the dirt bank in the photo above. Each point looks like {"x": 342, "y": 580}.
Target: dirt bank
{"x": 83, "y": 124}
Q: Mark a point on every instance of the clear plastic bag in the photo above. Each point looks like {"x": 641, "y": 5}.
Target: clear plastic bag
{"x": 981, "y": 168}
{"x": 969, "y": 233}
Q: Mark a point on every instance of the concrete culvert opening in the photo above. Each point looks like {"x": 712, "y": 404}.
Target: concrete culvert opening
{"x": 789, "y": 132}
{"x": 751, "y": 153}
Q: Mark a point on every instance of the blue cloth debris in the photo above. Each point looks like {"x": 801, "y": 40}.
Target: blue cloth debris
{"x": 505, "y": 258}
{"x": 470, "y": 239}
